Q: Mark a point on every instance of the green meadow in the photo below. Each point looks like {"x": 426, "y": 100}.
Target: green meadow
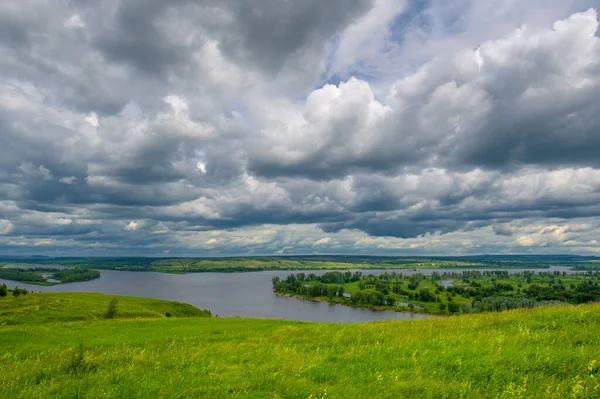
{"x": 61, "y": 345}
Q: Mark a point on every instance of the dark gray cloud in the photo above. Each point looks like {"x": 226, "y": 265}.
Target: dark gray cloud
{"x": 203, "y": 127}
{"x": 272, "y": 33}
{"x": 135, "y": 37}
{"x": 264, "y": 35}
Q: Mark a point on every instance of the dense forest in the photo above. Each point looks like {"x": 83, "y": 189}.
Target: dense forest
{"x": 75, "y": 274}
{"x": 41, "y": 275}
{"x": 22, "y": 275}
{"x": 448, "y": 292}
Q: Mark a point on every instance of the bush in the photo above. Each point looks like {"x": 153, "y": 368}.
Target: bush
{"x": 111, "y": 312}
{"x": 426, "y": 296}
{"x": 3, "y": 290}
{"x": 78, "y": 363}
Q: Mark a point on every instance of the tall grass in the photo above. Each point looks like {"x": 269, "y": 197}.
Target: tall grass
{"x": 539, "y": 353}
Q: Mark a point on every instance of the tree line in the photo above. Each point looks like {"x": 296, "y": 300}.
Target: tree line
{"x": 34, "y": 275}
{"x": 16, "y": 292}
{"x": 468, "y": 291}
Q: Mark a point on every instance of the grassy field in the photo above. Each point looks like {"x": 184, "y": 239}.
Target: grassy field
{"x": 539, "y": 353}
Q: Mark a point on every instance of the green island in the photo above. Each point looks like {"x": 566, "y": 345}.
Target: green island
{"x": 470, "y": 291}
{"x": 41, "y": 275}
{"x": 92, "y": 345}
{"x": 313, "y": 262}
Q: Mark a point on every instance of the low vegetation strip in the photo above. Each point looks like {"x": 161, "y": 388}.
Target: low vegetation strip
{"x": 550, "y": 352}
{"x": 315, "y": 262}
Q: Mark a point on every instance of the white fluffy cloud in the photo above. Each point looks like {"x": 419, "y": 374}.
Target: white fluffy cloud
{"x": 131, "y": 226}
{"x": 527, "y": 99}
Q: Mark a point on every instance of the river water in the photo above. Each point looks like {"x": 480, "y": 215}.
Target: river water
{"x": 235, "y": 294}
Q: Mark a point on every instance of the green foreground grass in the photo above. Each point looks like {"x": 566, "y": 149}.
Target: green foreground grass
{"x": 539, "y": 353}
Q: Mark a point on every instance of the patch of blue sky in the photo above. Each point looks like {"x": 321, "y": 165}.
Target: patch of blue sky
{"x": 431, "y": 17}
{"x": 414, "y": 16}
{"x": 238, "y": 107}
{"x": 327, "y": 77}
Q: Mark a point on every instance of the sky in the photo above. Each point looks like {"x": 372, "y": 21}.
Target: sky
{"x": 382, "y": 127}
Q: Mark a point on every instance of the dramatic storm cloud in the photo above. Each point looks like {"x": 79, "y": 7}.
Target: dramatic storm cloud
{"x": 196, "y": 127}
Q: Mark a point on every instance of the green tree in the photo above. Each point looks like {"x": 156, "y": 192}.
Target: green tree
{"x": 442, "y": 306}
{"x": 16, "y": 292}
{"x": 377, "y": 299}
{"x": 3, "y": 290}
{"x": 426, "y": 296}
{"x": 453, "y": 307}
{"x": 331, "y": 292}
{"x": 275, "y": 280}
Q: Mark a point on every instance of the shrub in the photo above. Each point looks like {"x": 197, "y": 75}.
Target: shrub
{"x": 78, "y": 363}
{"x": 426, "y": 296}
{"x": 111, "y": 312}
{"x": 3, "y": 290}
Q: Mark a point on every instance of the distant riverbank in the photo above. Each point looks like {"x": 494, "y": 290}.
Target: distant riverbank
{"x": 46, "y": 275}
{"x": 317, "y": 262}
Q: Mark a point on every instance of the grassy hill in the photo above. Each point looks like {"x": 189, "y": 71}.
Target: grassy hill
{"x": 64, "y": 307}
{"x": 539, "y": 353}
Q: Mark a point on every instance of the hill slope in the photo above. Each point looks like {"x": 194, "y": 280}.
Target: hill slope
{"x": 544, "y": 352}
{"x": 41, "y": 308}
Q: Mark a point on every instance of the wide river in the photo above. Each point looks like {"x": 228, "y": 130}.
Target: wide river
{"x": 235, "y": 294}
